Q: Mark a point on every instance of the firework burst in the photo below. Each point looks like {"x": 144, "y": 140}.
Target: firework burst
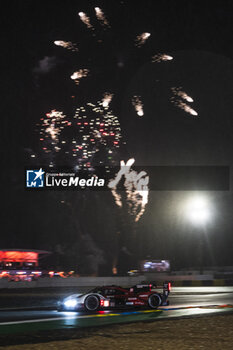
{"x": 80, "y": 137}
{"x": 107, "y": 99}
{"x": 141, "y": 39}
{"x": 101, "y": 17}
{"x": 185, "y": 107}
{"x": 86, "y": 20}
{"x": 138, "y": 105}
{"x": 94, "y": 127}
{"x": 178, "y": 92}
{"x": 81, "y": 73}
{"x": 161, "y": 57}
{"x": 66, "y": 45}
{"x": 52, "y": 126}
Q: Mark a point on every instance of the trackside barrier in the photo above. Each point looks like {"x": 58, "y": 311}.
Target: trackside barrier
{"x": 73, "y": 282}
{"x": 177, "y": 281}
{"x": 202, "y": 283}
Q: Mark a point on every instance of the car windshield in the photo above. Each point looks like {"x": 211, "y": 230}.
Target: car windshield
{"x": 96, "y": 290}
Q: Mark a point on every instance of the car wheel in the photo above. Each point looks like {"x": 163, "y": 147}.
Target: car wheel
{"x": 154, "y": 301}
{"x": 92, "y": 303}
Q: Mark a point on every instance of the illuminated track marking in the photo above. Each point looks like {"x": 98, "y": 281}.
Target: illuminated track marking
{"x": 75, "y": 317}
{"x": 75, "y": 321}
{"x": 40, "y": 320}
{"x": 115, "y": 314}
{"x": 128, "y": 313}
{"x": 54, "y": 319}
{"x": 198, "y": 307}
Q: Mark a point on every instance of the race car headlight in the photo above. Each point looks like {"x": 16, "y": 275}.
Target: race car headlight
{"x": 70, "y": 303}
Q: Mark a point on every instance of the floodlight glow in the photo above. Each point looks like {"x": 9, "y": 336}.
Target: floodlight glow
{"x": 198, "y": 210}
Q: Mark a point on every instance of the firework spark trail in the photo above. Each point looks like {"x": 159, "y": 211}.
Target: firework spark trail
{"x": 185, "y": 107}
{"x": 136, "y": 188}
{"x": 101, "y": 17}
{"x": 178, "y": 92}
{"x": 66, "y": 45}
{"x": 117, "y": 197}
{"x": 141, "y": 39}
{"x": 138, "y": 105}
{"x": 107, "y": 99}
{"x": 161, "y": 57}
{"x": 86, "y": 20}
{"x": 81, "y": 73}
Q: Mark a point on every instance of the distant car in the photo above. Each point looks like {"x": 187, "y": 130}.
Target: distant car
{"x": 133, "y": 272}
{"x": 108, "y": 297}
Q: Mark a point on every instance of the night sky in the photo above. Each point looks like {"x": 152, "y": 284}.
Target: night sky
{"x": 198, "y": 35}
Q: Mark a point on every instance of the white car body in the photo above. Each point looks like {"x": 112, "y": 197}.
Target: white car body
{"x": 76, "y": 301}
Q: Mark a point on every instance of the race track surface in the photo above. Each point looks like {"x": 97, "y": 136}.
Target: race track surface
{"x": 184, "y": 301}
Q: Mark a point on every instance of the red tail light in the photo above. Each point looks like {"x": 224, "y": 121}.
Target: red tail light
{"x": 169, "y": 286}
{"x": 104, "y": 303}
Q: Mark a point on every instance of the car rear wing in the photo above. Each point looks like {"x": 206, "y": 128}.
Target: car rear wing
{"x": 166, "y": 286}
{"x": 149, "y": 286}
{"x": 145, "y": 287}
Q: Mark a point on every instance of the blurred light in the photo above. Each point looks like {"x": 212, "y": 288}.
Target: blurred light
{"x": 70, "y": 303}
{"x": 197, "y": 210}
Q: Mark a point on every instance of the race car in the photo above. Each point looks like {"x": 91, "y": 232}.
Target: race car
{"x": 108, "y": 297}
